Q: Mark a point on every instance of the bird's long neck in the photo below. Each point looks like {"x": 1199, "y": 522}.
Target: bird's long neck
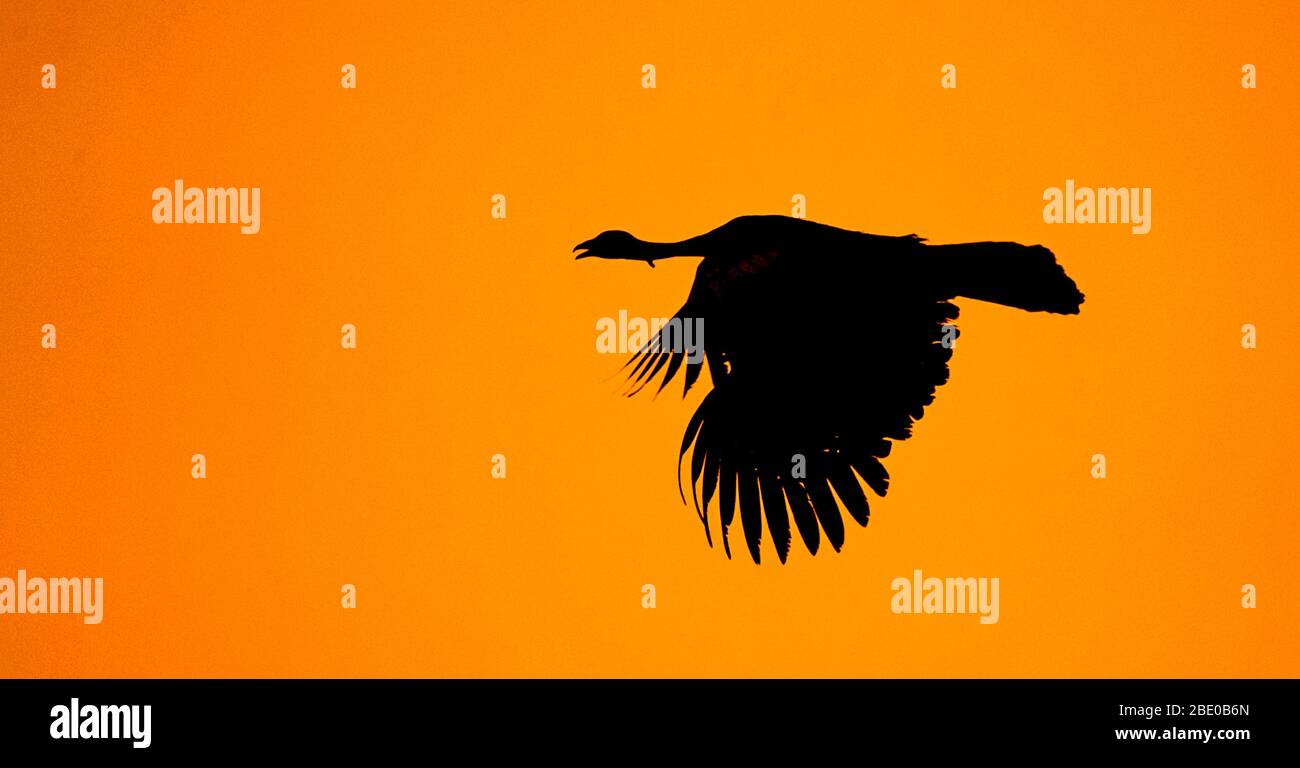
{"x": 653, "y": 252}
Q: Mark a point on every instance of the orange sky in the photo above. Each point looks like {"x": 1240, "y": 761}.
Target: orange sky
{"x": 476, "y": 336}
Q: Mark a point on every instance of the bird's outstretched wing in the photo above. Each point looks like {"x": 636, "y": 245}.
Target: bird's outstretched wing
{"x": 819, "y": 357}
{"x": 668, "y": 348}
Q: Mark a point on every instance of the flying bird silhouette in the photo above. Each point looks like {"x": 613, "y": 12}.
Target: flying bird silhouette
{"x": 824, "y": 345}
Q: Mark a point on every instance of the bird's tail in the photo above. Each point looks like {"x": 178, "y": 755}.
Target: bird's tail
{"x": 1014, "y": 275}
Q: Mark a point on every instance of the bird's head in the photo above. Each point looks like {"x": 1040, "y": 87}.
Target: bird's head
{"x": 613, "y": 244}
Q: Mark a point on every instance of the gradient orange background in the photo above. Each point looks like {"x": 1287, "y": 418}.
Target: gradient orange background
{"x": 476, "y": 336}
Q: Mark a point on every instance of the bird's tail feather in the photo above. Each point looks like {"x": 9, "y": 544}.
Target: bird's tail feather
{"x": 1021, "y": 276}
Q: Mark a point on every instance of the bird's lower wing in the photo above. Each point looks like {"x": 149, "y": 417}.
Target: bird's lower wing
{"x": 801, "y": 442}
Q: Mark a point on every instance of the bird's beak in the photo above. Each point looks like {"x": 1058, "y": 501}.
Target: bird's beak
{"x": 584, "y": 246}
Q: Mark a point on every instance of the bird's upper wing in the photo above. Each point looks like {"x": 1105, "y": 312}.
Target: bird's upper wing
{"x": 820, "y": 356}
{"x": 668, "y": 349}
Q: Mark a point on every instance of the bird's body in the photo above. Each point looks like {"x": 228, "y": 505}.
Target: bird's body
{"x": 823, "y": 344}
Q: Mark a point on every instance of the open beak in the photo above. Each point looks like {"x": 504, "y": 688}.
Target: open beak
{"x": 584, "y": 247}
